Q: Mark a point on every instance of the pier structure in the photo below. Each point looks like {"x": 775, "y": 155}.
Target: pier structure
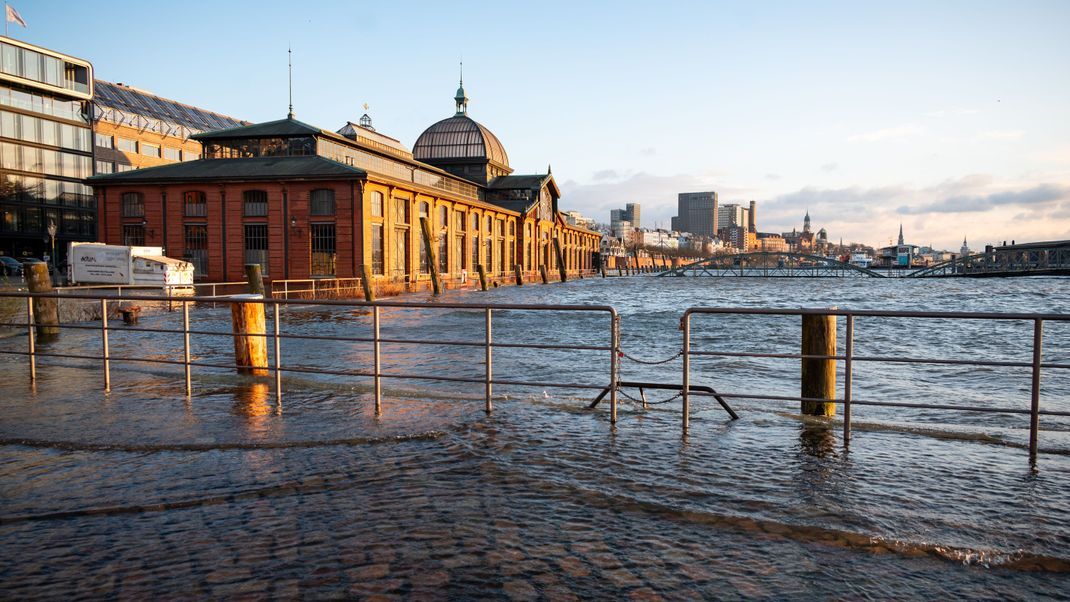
{"x": 766, "y": 264}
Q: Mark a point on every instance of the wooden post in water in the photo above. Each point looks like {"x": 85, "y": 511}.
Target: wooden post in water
{"x": 45, "y": 311}
{"x": 519, "y": 275}
{"x": 366, "y": 283}
{"x": 250, "y": 344}
{"x": 482, "y": 276}
{"x": 542, "y": 272}
{"x": 560, "y": 260}
{"x": 255, "y": 279}
{"x": 818, "y": 375}
{"x": 436, "y": 285}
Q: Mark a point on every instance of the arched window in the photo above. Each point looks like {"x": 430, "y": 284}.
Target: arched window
{"x": 475, "y": 223}
{"x": 133, "y": 204}
{"x": 458, "y": 221}
{"x": 443, "y": 217}
{"x": 321, "y": 202}
{"x": 195, "y": 204}
{"x": 425, "y": 261}
{"x": 377, "y": 204}
{"x": 425, "y": 210}
{"x": 255, "y": 203}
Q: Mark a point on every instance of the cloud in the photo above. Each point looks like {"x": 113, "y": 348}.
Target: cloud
{"x": 772, "y": 176}
{"x": 903, "y": 131}
{"x": 952, "y": 112}
{"x": 648, "y": 151}
{"x": 606, "y": 174}
{"x": 1001, "y": 135}
{"x": 828, "y": 167}
{"x": 1044, "y": 194}
{"x": 976, "y": 205}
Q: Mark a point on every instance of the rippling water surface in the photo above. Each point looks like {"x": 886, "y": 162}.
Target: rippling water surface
{"x": 142, "y": 492}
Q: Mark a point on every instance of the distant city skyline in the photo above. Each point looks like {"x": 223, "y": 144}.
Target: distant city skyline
{"x": 950, "y": 118}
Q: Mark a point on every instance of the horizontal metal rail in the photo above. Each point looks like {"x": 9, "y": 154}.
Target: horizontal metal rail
{"x": 849, "y": 357}
{"x": 377, "y": 374}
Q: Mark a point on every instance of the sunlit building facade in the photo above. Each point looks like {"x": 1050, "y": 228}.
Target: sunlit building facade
{"x": 308, "y": 202}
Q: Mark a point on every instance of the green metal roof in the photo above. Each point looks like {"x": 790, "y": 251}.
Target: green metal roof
{"x": 268, "y": 129}
{"x": 259, "y": 168}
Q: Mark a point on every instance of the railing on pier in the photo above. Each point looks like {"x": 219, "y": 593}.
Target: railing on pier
{"x": 277, "y": 366}
{"x": 849, "y": 358}
{"x": 767, "y": 264}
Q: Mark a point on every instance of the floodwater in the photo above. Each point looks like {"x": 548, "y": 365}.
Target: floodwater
{"x": 142, "y": 493}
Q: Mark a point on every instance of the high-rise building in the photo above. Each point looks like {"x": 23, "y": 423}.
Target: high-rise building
{"x": 632, "y": 210}
{"x": 732, "y": 214}
{"x": 623, "y": 221}
{"x": 45, "y": 152}
{"x": 696, "y": 213}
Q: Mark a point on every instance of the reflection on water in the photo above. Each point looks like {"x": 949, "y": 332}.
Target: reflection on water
{"x": 818, "y": 440}
{"x": 142, "y": 494}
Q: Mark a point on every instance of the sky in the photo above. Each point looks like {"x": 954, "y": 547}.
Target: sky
{"x": 950, "y": 118}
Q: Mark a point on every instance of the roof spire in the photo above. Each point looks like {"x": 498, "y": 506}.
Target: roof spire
{"x": 461, "y": 98}
{"x": 900, "y": 233}
{"x": 290, "y": 67}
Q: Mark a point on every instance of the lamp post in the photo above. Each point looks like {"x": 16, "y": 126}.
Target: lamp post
{"x": 52, "y": 238}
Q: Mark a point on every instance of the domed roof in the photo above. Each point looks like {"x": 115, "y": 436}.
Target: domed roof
{"x": 459, "y": 137}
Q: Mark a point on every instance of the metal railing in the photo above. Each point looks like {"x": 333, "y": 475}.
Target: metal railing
{"x": 333, "y": 287}
{"x": 277, "y": 336}
{"x": 849, "y": 358}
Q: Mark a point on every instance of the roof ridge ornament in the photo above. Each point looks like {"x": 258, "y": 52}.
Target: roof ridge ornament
{"x": 290, "y": 78}
{"x": 461, "y": 98}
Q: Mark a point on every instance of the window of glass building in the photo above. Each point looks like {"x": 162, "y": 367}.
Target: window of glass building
{"x": 150, "y": 150}
{"x": 321, "y": 202}
{"x": 103, "y": 141}
{"x": 171, "y": 154}
{"x": 126, "y": 145}
{"x": 256, "y": 245}
{"x": 378, "y": 249}
{"x": 195, "y": 204}
{"x": 255, "y": 203}
{"x": 134, "y": 235}
{"x": 133, "y": 204}
{"x": 196, "y": 238}
{"x": 323, "y": 249}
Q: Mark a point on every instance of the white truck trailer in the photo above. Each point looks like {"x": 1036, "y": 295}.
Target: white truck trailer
{"x": 98, "y": 263}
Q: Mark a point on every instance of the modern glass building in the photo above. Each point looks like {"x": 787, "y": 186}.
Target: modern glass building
{"x": 46, "y": 151}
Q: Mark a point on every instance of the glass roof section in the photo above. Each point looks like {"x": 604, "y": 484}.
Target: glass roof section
{"x": 149, "y": 105}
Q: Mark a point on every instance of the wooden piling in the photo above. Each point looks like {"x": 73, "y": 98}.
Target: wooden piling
{"x": 519, "y": 274}
{"x": 560, "y": 260}
{"x": 542, "y": 272}
{"x": 818, "y": 375}
{"x": 254, "y": 278}
{"x": 249, "y": 327}
{"x": 45, "y": 311}
{"x": 602, "y": 267}
{"x": 482, "y": 276}
{"x": 436, "y": 284}
{"x": 366, "y": 283}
